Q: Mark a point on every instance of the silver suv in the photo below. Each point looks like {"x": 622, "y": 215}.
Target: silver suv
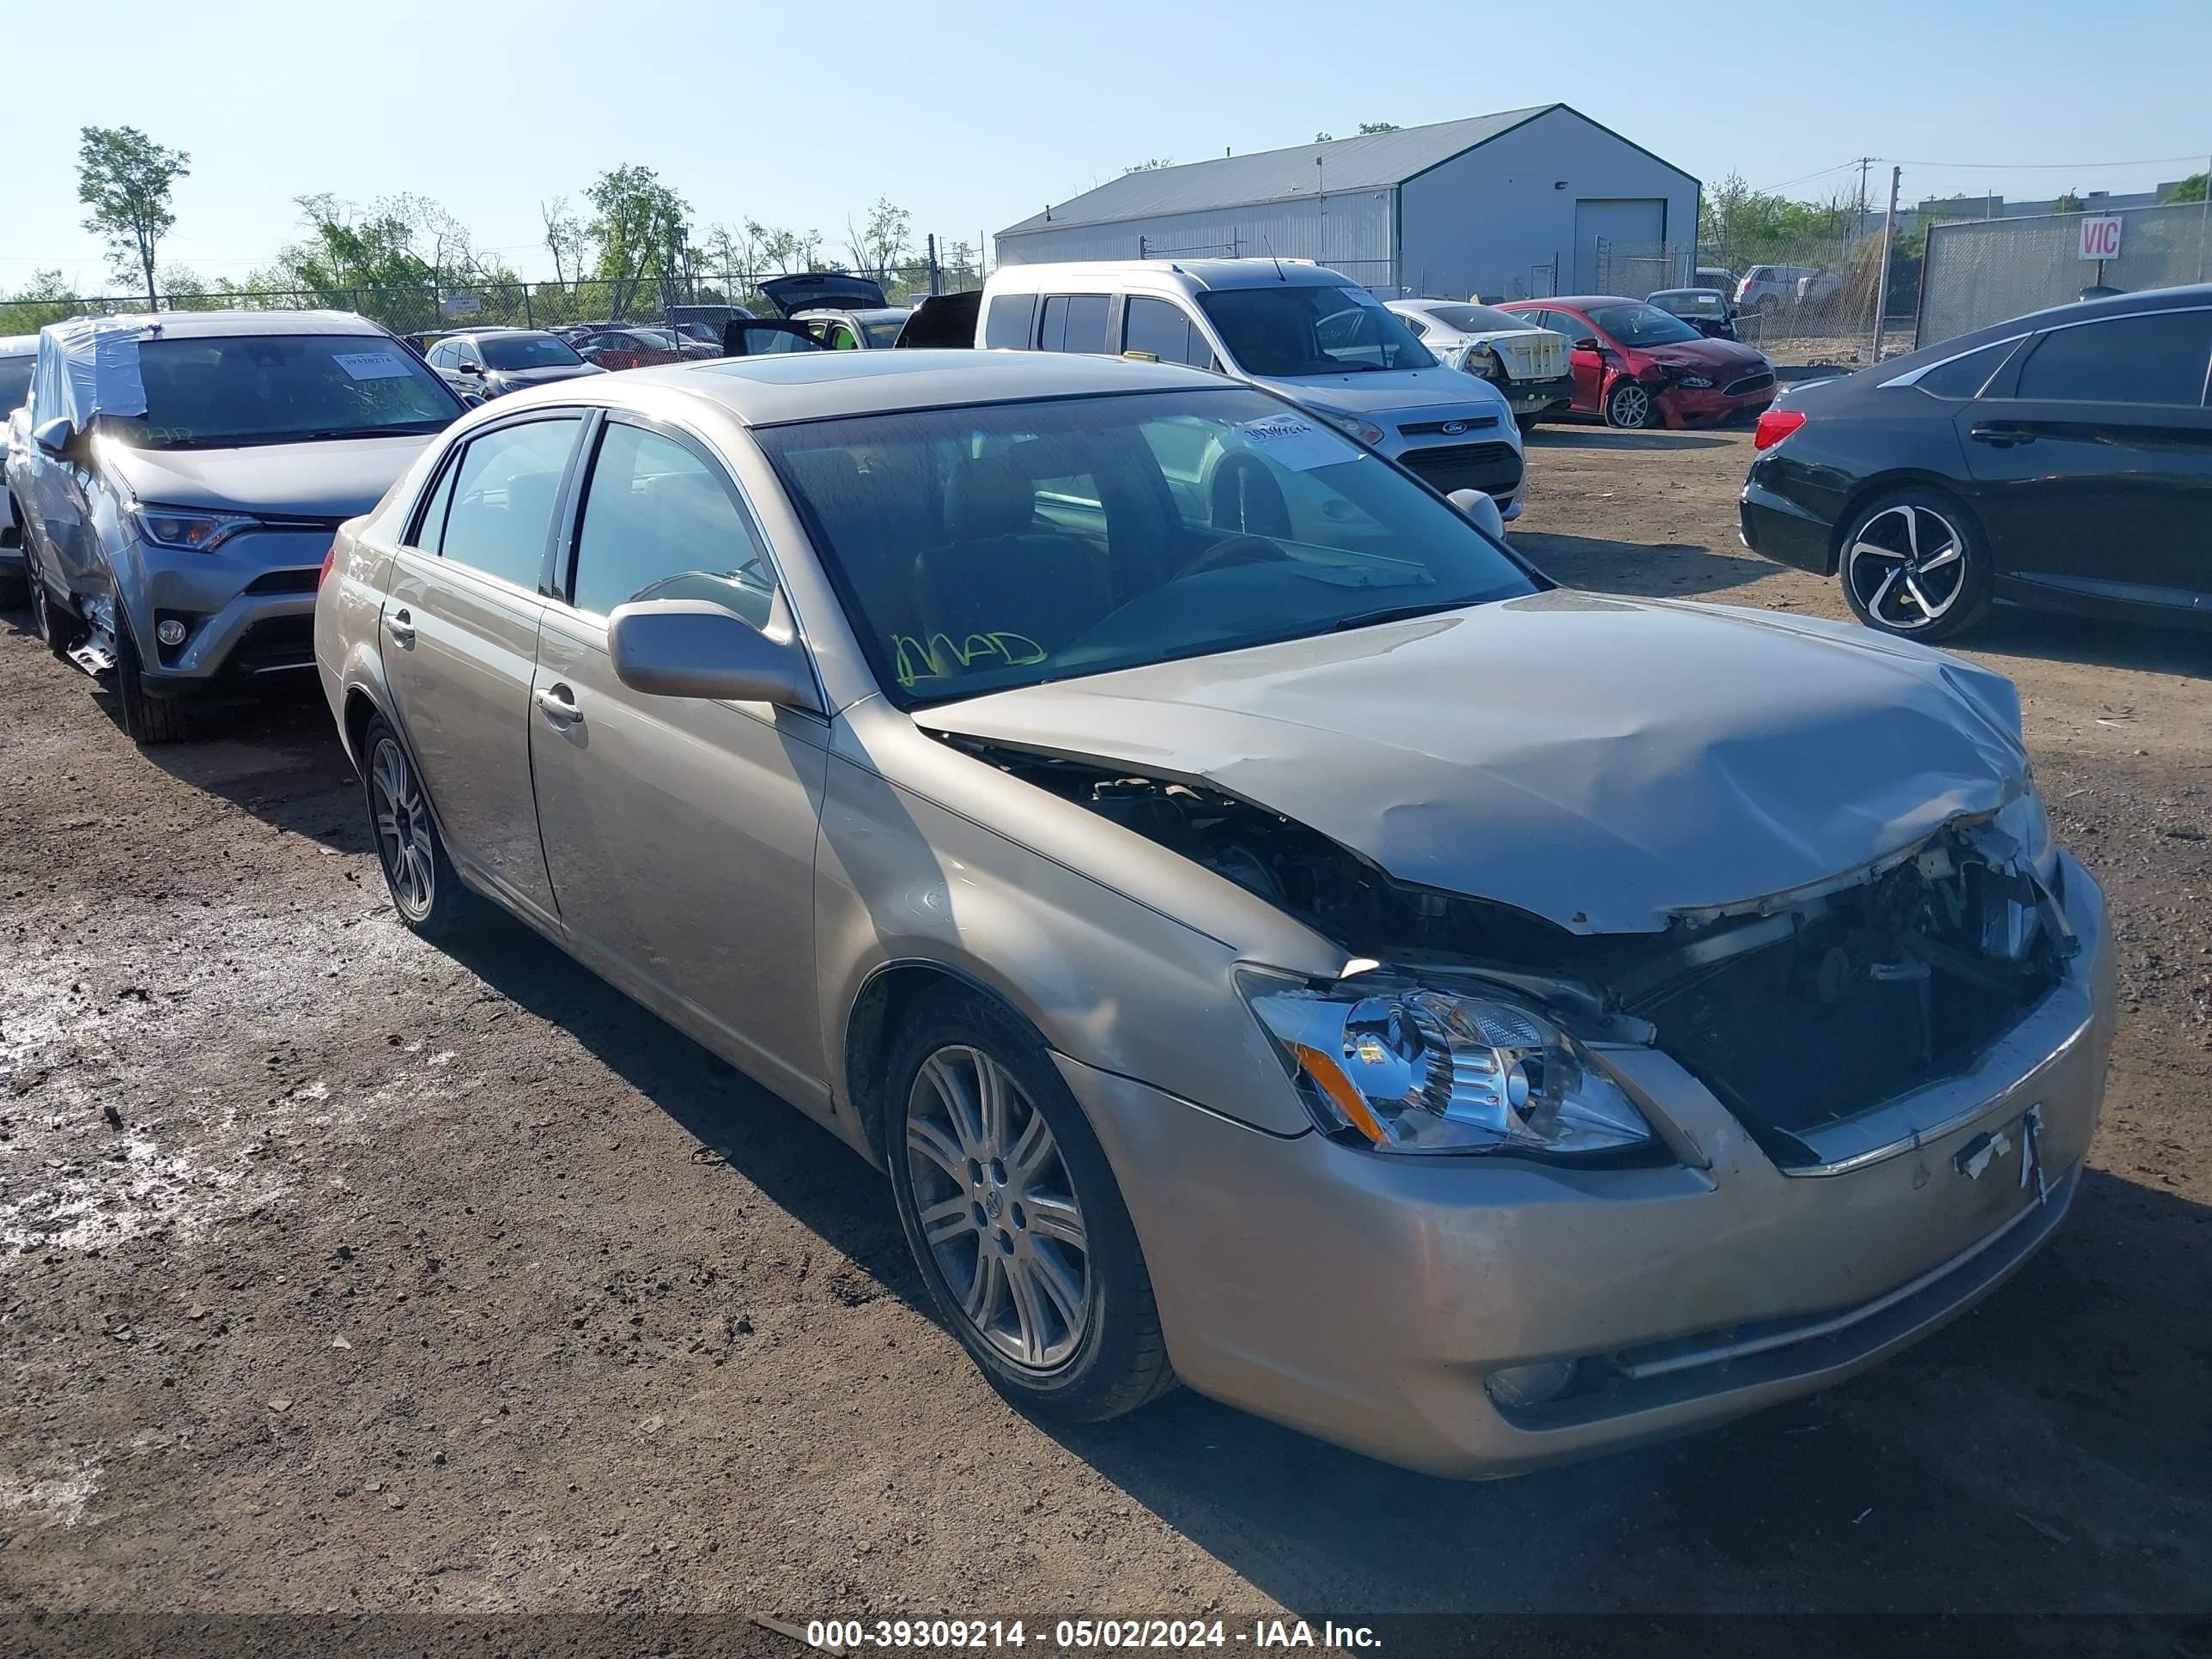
{"x": 178, "y": 480}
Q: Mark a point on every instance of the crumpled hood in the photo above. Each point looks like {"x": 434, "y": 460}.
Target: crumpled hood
{"x": 1724, "y": 355}
{"x": 1389, "y": 391}
{"x": 1600, "y": 763}
{"x": 335, "y": 479}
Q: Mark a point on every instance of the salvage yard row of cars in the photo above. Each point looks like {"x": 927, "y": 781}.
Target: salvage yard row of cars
{"x": 1270, "y": 937}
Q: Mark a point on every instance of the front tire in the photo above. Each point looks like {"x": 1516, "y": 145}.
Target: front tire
{"x": 55, "y": 625}
{"x": 1527, "y": 423}
{"x": 1014, "y": 1217}
{"x": 148, "y": 721}
{"x": 1914, "y": 564}
{"x": 424, "y": 887}
{"x": 1629, "y": 406}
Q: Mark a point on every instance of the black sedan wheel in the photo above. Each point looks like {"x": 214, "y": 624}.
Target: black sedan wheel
{"x": 1913, "y": 565}
{"x": 1629, "y": 406}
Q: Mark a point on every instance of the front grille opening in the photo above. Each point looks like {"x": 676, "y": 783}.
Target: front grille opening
{"x": 1877, "y": 991}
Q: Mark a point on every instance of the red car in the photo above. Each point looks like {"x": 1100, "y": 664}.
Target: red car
{"x": 1636, "y": 366}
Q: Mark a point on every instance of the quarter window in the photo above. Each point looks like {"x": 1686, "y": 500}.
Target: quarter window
{"x": 2156, "y": 358}
{"x": 1962, "y": 377}
{"x": 503, "y": 494}
{"x": 660, "y": 524}
{"x": 1007, "y": 323}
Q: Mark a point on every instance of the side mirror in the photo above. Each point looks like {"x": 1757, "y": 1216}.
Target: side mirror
{"x": 54, "y": 436}
{"x": 1480, "y": 511}
{"x": 1588, "y": 343}
{"x": 471, "y": 368}
{"x": 691, "y": 648}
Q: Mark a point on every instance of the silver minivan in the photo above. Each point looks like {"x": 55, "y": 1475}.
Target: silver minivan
{"x": 1301, "y": 331}
{"x": 1328, "y": 965}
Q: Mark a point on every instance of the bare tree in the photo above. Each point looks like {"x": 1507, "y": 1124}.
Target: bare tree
{"x": 564, "y": 237}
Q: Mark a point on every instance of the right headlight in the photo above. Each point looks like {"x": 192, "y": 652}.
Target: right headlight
{"x": 1412, "y": 1068}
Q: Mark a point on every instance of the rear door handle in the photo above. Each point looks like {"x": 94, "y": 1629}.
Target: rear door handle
{"x": 558, "y": 704}
{"x": 400, "y": 626}
{"x": 2001, "y": 437}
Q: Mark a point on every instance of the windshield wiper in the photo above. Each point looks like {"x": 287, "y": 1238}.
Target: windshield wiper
{"x": 1397, "y": 613}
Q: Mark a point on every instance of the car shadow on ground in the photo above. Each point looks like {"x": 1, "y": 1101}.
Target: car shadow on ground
{"x": 1595, "y": 436}
{"x": 2046, "y": 636}
{"x": 1654, "y": 570}
{"x": 1776, "y": 1511}
{"x": 276, "y": 757}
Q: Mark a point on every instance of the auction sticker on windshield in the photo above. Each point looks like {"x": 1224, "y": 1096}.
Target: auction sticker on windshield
{"x": 372, "y": 365}
{"x": 1293, "y": 441}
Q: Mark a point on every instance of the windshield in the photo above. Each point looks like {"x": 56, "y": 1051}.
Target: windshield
{"x": 524, "y": 351}
{"x": 1475, "y": 320}
{"x": 1007, "y": 545}
{"x": 1689, "y": 302}
{"x": 14, "y": 382}
{"x": 659, "y": 339}
{"x": 281, "y": 388}
{"x": 1287, "y": 331}
{"x": 1639, "y": 325}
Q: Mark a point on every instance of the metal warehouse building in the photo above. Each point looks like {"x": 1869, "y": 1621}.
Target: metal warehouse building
{"x": 1501, "y": 205}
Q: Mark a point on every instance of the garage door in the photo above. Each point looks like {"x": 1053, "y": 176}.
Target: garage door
{"x": 1623, "y": 224}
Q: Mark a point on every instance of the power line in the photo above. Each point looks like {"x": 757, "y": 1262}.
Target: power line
{"x": 2042, "y": 166}
{"x": 1769, "y": 190}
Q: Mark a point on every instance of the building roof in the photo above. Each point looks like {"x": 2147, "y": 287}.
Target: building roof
{"x": 1372, "y": 160}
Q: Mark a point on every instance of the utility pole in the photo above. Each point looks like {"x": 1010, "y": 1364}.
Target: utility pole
{"x": 936, "y": 281}
{"x": 1864, "y": 160}
{"x": 1881, "y": 287}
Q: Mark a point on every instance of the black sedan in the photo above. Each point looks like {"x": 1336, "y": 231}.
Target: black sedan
{"x": 2061, "y": 460}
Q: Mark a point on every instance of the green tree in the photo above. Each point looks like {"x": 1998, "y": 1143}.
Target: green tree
{"x": 2068, "y": 202}
{"x": 44, "y": 298}
{"x": 635, "y": 229}
{"x": 2191, "y": 189}
{"x": 125, "y": 179}
{"x": 1378, "y": 126}
{"x": 1324, "y": 137}
{"x": 564, "y": 237}
{"x": 1148, "y": 166}
{"x": 884, "y": 241}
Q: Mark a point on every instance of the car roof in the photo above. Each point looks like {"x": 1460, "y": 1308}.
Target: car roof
{"x": 1671, "y": 292}
{"x": 1256, "y": 272}
{"x": 808, "y": 386}
{"x": 18, "y": 345}
{"x": 1576, "y": 301}
{"x": 230, "y": 325}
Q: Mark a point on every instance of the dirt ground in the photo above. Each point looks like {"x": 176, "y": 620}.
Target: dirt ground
{"x": 340, "y": 1274}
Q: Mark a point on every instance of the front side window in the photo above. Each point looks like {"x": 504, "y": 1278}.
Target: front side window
{"x": 1640, "y": 324}
{"x": 660, "y": 524}
{"x": 227, "y": 391}
{"x": 992, "y": 546}
{"x": 882, "y": 331}
{"x": 1286, "y": 330}
{"x": 1163, "y": 329}
{"x": 503, "y": 494}
{"x": 2157, "y": 358}
{"x": 516, "y": 351}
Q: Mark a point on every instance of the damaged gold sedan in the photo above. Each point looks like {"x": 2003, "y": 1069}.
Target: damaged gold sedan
{"x": 1272, "y": 937}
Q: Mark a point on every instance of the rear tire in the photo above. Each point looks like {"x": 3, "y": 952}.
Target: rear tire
{"x": 147, "y": 720}
{"x": 425, "y": 888}
{"x": 1902, "y": 544}
{"x": 991, "y": 1200}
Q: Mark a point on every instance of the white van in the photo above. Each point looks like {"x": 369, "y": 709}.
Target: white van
{"x": 1297, "y": 329}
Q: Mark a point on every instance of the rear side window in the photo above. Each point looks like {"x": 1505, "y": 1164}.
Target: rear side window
{"x": 659, "y": 525}
{"x": 2159, "y": 359}
{"x": 1073, "y": 322}
{"x": 503, "y": 494}
{"x": 1165, "y": 329}
{"x": 1007, "y": 323}
{"x": 1964, "y": 376}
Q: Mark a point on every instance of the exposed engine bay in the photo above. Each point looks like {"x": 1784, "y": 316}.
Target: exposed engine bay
{"x": 1795, "y": 1015}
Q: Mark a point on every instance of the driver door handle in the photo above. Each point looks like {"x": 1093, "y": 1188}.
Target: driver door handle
{"x": 401, "y": 627}
{"x": 558, "y": 704}
{"x": 2001, "y": 437}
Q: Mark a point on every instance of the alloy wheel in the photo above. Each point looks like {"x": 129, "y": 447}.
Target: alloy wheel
{"x": 1907, "y": 567}
{"x": 403, "y": 829}
{"x": 1630, "y": 405}
{"x": 997, "y": 1208}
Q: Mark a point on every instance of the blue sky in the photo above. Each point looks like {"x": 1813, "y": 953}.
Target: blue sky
{"x": 975, "y": 116}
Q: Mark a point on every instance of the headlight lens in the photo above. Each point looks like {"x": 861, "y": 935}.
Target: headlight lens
{"x": 1350, "y": 424}
{"x": 192, "y": 530}
{"x": 2027, "y": 821}
{"x": 1413, "y": 1069}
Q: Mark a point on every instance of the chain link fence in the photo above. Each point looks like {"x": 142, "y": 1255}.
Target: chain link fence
{"x": 426, "y": 308}
{"x": 1980, "y": 272}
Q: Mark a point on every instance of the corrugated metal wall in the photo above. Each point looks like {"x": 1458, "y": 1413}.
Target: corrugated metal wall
{"x": 1352, "y": 233}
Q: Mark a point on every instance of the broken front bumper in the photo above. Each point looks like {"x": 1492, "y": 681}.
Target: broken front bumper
{"x": 1366, "y": 1297}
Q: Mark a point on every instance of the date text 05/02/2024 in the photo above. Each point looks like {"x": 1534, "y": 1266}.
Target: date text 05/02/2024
{"x": 1084, "y": 1635}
